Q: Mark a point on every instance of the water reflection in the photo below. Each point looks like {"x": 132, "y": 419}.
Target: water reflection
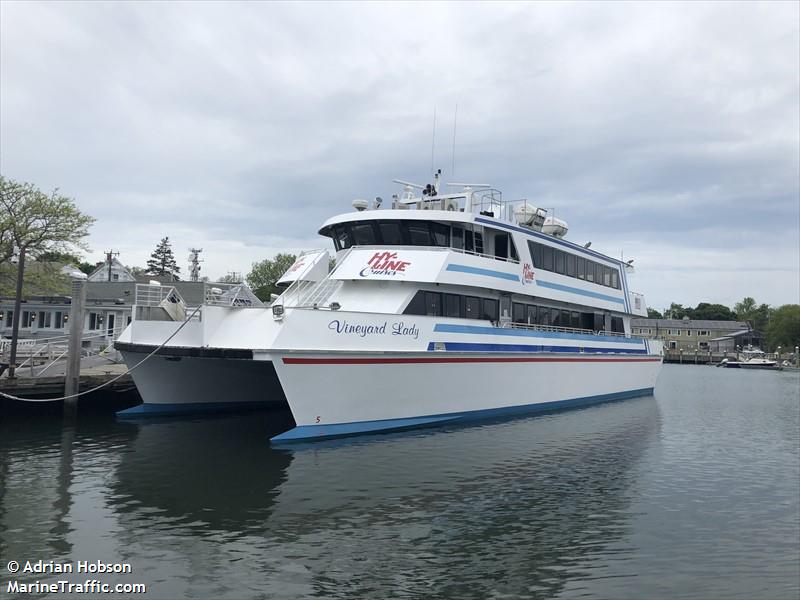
{"x": 510, "y": 507}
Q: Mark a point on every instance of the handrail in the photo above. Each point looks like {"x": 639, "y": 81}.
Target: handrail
{"x": 575, "y": 330}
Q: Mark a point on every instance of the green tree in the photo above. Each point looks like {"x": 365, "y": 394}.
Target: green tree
{"x": 264, "y": 275}
{"x": 745, "y": 309}
{"x": 162, "y": 261}
{"x": 676, "y": 311}
{"x": 761, "y": 317}
{"x": 784, "y": 328}
{"x": 712, "y": 312}
{"x": 654, "y": 314}
{"x": 33, "y": 223}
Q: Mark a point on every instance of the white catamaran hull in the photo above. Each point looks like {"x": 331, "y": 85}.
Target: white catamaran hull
{"x": 173, "y": 384}
{"x": 342, "y": 394}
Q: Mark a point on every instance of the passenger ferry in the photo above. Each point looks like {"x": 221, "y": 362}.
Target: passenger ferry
{"x": 444, "y": 308}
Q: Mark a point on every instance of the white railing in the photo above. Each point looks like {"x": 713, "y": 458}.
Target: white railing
{"x": 575, "y": 330}
{"x": 52, "y": 350}
{"x": 230, "y": 294}
{"x": 153, "y": 295}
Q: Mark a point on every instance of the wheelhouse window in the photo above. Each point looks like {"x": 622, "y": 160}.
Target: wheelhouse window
{"x": 419, "y": 234}
{"x": 391, "y": 233}
{"x": 363, "y": 234}
{"x": 580, "y": 268}
{"x": 441, "y": 234}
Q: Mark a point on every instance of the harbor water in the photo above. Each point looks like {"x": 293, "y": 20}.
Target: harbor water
{"x": 691, "y": 493}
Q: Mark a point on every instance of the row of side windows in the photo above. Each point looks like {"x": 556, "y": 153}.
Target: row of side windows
{"x": 532, "y": 314}
{"x": 437, "y": 304}
{"x": 555, "y": 260}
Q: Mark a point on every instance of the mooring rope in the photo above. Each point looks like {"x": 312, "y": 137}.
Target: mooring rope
{"x": 110, "y": 381}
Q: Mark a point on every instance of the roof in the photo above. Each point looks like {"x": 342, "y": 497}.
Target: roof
{"x": 691, "y": 324}
{"x": 732, "y": 335}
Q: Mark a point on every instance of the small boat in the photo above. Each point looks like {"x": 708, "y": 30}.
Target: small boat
{"x": 750, "y": 359}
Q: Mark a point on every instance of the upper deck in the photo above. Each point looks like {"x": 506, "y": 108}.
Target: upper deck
{"x": 474, "y": 238}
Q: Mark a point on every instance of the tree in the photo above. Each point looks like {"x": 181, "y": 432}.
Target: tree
{"x": 33, "y": 223}
{"x": 653, "y": 314}
{"x": 162, "y": 261}
{"x": 744, "y": 310}
{"x": 136, "y": 272}
{"x": 676, "y": 311}
{"x": 712, "y": 312}
{"x": 67, "y": 258}
{"x": 784, "y": 328}
{"x": 264, "y": 275}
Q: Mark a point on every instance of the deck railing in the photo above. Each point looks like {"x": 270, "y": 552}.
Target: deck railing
{"x": 574, "y": 330}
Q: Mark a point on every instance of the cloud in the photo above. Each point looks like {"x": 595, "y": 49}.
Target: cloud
{"x": 667, "y": 130}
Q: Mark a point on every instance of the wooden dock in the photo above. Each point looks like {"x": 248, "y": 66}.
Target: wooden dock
{"x": 53, "y": 386}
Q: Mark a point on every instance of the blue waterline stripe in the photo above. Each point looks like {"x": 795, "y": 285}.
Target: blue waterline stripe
{"x": 549, "y": 238}
{"x": 499, "y": 331}
{"x": 572, "y": 290}
{"x": 152, "y": 410}
{"x": 478, "y": 271}
{"x": 475, "y": 347}
{"x": 317, "y": 432}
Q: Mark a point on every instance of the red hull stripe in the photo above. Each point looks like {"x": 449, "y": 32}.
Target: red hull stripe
{"x": 450, "y": 359}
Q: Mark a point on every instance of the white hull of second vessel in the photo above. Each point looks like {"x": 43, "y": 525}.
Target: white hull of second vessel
{"x": 175, "y": 384}
{"x": 341, "y": 394}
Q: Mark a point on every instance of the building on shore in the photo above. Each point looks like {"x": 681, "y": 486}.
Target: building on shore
{"x": 701, "y": 335}
{"x": 108, "y": 308}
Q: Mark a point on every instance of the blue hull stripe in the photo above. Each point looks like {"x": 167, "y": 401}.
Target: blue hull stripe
{"x": 499, "y": 331}
{"x": 466, "y": 347}
{"x": 153, "y": 410}
{"x": 318, "y": 432}
{"x": 572, "y": 290}
{"x": 486, "y": 272}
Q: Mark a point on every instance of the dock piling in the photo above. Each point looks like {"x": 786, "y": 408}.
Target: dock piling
{"x": 73, "y": 371}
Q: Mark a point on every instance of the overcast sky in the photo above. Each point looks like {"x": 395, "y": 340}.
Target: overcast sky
{"x": 667, "y": 132}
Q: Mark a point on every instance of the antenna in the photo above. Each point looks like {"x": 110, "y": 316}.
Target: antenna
{"x": 433, "y": 138}
{"x": 194, "y": 263}
{"x": 455, "y": 120}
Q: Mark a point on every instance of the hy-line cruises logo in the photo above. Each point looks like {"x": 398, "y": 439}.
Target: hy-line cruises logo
{"x": 527, "y": 274}
{"x": 385, "y": 263}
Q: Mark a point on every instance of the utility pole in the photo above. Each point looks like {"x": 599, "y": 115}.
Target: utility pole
{"x": 110, "y": 254}
{"x": 194, "y": 263}
{"x": 12, "y": 360}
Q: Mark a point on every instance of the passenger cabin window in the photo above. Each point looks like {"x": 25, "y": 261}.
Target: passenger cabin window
{"x": 566, "y": 263}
